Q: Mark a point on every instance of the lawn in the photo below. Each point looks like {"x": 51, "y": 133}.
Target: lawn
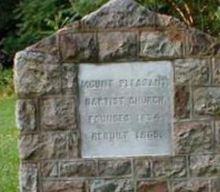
{"x": 9, "y": 161}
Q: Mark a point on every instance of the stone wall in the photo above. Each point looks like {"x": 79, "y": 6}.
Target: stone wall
{"x": 47, "y": 107}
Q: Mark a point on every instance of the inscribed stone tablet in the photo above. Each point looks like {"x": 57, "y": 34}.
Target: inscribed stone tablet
{"x": 126, "y": 109}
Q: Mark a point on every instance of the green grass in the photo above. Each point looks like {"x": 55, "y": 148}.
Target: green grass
{"x": 9, "y": 160}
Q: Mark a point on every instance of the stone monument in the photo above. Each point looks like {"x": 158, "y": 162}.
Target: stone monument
{"x": 124, "y": 100}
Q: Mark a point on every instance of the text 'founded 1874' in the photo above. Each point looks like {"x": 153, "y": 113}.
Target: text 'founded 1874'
{"x": 126, "y": 109}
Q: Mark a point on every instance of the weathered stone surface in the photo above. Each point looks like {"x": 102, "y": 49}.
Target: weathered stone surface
{"x": 182, "y": 102}
{"x": 150, "y": 186}
{"x": 64, "y": 186}
{"x": 216, "y": 71}
{"x": 115, "y": 167}
{"x": 48, "y": 45}
{"x": 205, "y": 166}
{"x": 81, "y": 168}
{"x": 117, "y": 45}
{"x": 217, "y": 136}
{"x": 78, "y": 47}
{"x": 199, "y": 43}
{"x": 26, "y": 113}
{"x": 207, "y": 101}
{"x": 50, "y": 145}
{"x": 142, "y": 168}
{"x": 156, "y": 44}
{"x": 120, "y": 13}
{"x": 36, "y": 74}
{"x": 111, "y": 186}
{"x": 215, "y": 185}
{"x": 169, "y": 167}
{"x": 191, "y": 186}
{"x": 69, "y": 78}
{"x": 28, "y": 178}
{"x": 193, "y": 70}
{"x": 58, "y": 113}
{"x": 49, "y": 169}
{"x": 193, "y": 137}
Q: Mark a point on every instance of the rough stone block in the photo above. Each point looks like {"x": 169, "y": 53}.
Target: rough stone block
{"x": 207, "y": 101}
{"x": 193, "y": 137}
{"x": 167, "y": 167}
{"x": 50, "y": 145}
{"x": 182, "y": 102}
{"x": 193, "y": 70}
{"x": 49, "y": 169}
{"x": 217, "y": 136}
{"x": 117, "y": 45}
{"x": 111, "y": 186}
{"x": 199, "y": 43}
{"x": 36, "y": 74}
{"x": 192, "y": 185}
{"x": 142, "y": 168}
{"x": 64, "y": 186}
{"x": 58, "y": 113}
{"x": 28, "y": 178}
{"x": 26, "y": 115}
{"x": 205, "y": 166}
{"x": 152, "y": 186}
{"x": 78, "y": 47}
{"x": 120, "y": 13}
{"x": 69, "y": 78}
{"x": 115, "y": 167}
{"x": 216, "y": 71}
{"x": 157, "y": 44}
{"x": 83, "y": 168}
{"x": 215, "y": 185}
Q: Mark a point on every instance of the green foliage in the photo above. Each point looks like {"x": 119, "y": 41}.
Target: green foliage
{"x": 9, "y": 157}
{"x": 6, "y": 83}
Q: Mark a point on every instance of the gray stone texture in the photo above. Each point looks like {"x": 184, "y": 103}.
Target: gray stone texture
{"x": 28, "y": 178}
{"x": 118, "y": 185}
{"x": 64, "y": 186}
{"x": 115, "y": 167}
{"x": 58, "y": 113}
{"x": 156, "y": 44}
{"x": 49, "y": 169}
{"x": 36, "y": 74}
{"x": 80, "y": 168}
{"x": 193, "y": 185}
{"x": 193, "y": 70}
{"x": 206, "y": 101}
{"x": 26, "y": 111}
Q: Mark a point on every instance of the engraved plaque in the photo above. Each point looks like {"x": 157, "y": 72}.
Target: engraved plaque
{"x": 126, "y": 109}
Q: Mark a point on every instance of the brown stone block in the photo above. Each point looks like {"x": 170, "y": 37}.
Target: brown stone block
{"x": 193, "y": 137}
{"x": 152, "y": 186}
{"x": 79, "y": 168}
{"x": 143, "y": 167}
{"x": 205, "y": 166}
{"x": 58, "y": 113}
{"x": 78, "y": 47}
{"x": 115, "y": 167}
{"x": 69, "y": 78}
{"x": 182, "y": 102}
{"x": 117, "y": 45}
{"x": 64, "y": 186}
{"x": 192, "y": 185}
{"x": 49, "y": 168}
